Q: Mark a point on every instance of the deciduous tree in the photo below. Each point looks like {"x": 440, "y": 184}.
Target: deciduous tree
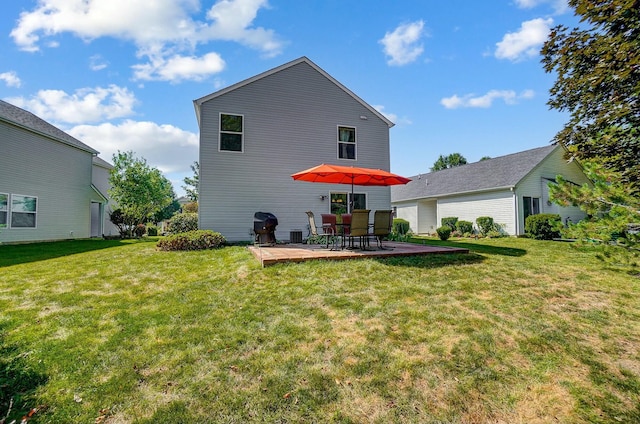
{"x": 139, "y": 190}
{"x": 444, "y": 162}
{"x": 598, "y": 83}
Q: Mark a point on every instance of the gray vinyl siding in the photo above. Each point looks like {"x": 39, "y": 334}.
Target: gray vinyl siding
{"x": 290, "y": 124}
{"x": 100, "y": 179}
{"x": 499, "y": 205}
{"x": 536, "y": 184}
{"x": 58, "y": 174}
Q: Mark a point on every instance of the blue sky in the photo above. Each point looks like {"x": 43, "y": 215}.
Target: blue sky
{"x": 456, "y": 76}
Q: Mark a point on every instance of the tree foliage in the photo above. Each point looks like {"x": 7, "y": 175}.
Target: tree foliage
{"x": 613, "y": 209}
{"x": 449, "y": 161}
{"x": 139, "y": 190}
{"x": 191, "y": 186}
{"x": 598, "y": 83}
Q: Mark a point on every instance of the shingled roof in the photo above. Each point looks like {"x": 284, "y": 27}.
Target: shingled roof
{"x": 498, "y": 173}
{"x": 31, "y": 122}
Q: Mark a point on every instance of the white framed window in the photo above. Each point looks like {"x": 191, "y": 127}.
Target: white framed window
{"x": 340, "y": 202}
{"x": 4, "y": 210}
{"x": 346, "y": 142}
{"x": 24, "y": 210}
{"x": 231, "y": 132}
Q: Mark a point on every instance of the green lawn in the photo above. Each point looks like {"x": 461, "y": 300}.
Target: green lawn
{"x": 518, "y": 331}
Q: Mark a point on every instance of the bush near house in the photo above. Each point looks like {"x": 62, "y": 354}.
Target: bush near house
{"x": 192, "y": 240}
{"x": 464, "y": 227}
{"x": 183, "y": 222}
{"x": 485, "y": 224}
{"x": 543, "y": 226}
{"x": 444, "y": 232}
{"x": 400, "y": 226}
{"x": 449, "y": 222}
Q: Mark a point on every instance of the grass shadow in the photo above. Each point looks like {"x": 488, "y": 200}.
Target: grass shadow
{"x": 15, "y": 254}
{"x": 18, "y": 382}
{"x": 433, "y": 261}
{"x": 473, "y": 247}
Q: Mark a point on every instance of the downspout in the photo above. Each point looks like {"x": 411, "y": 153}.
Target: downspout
{"x": 515, "y": 207}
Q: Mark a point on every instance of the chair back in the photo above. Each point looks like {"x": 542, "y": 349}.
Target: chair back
{"x": 312, "y": 223}
{"x": 382, "y": 222}
{"x": 359, "y": 222}
{"x": 346, "y": 223}
{"x": 328, "y": 220}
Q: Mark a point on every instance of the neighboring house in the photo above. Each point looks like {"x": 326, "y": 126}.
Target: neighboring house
{"x": 100, "y": 179}
{"x": 47, "y": 189}
{"x": 256, "y": 133}
{"x": 507, "y": 188}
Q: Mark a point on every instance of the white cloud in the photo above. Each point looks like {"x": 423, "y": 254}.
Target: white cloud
{"x": 526, "y": 42}
{"x": 163, "y": 30}
{"x": 559, "y": 6}
{"x": 85, "y": 105}
{"x": 11, "y": 79}
{"x": 97, "y": 63}
{"x": 166, "y": 147}
{"x": 402, "y": 45}
{"x": 392, "y": 116}
{"x": 177, "y": 68}
{"x": 470, "y": 100}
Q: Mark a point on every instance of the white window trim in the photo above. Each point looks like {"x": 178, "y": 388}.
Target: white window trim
{"x": 6, "y": 224}
{"x": 220, "y": 149}
{"x": 11, "y": 212}
{"x": 355, "y": 144}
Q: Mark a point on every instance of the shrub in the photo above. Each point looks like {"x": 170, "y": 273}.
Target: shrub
{"x": 485, "y": 224}
{"x": 191, "y": 207}
{"x": 192, "y": 240}
{"x": 400, "y": 226}
{"x": 152, "y": 230}
{"x": 464, "y": 227}
{"x": 449, "y": 222}
{"x": 139, "y": 230}
{"x": 543, "y": 226}
{"x": 444, "y": 232}
{"x": 183, "y": 222}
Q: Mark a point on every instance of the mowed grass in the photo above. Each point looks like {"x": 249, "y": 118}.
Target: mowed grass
{"x": 518, "y": 331}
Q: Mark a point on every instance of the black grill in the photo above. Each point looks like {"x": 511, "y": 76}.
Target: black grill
{"x": 264, "y": 227}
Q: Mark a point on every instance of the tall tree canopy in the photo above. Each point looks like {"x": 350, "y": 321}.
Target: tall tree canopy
{"x": 598, "y": 83}
{"x": 140, "y": 190}
{"x": 444, "y": 162}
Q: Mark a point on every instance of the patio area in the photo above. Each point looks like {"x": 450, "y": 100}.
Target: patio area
{"x": 298, "y": 252}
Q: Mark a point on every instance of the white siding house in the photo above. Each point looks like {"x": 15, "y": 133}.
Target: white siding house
{"x": 256, "y": 133}
{"x": 507, "y": 188}
{"x": 46, "y": 189}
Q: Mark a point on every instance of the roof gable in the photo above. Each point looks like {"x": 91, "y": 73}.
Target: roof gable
{"x": 198, "y": 102}
{"x": 29, "y": 121}
{"x": 491, "y": 174}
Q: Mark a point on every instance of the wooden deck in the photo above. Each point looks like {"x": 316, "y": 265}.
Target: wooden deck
{"x": 294, "y": 252}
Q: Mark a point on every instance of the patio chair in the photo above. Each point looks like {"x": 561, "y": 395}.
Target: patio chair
{"x": 329, "y": 220}
{"x": 326, "y": 233}
{"x": 360, "y": 227}
{"x": 345, "y": 228}
{"x": 382, "y": 222}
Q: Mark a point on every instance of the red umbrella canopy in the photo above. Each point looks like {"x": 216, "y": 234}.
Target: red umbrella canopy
{"x": 337, "y": 174}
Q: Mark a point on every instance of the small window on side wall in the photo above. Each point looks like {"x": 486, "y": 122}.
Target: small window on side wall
{"x": 23, "y": 211}
{"x": 4, "y": 209}
{"x": 231, "y": 132}
{"x": 347, "y": 143}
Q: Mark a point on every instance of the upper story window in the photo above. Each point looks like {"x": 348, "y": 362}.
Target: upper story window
{"x": 23, "y": 211}
{"x": 231, "y": 132}
{"x": 4, "y": 208}
{"x": 346, "y": 143}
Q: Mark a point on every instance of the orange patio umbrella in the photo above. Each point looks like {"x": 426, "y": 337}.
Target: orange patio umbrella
{"x": 339, "y": 174}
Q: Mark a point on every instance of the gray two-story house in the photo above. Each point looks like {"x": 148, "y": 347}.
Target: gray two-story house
{"x": 52, "y": 186}
{"x": 256, "y": 133}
